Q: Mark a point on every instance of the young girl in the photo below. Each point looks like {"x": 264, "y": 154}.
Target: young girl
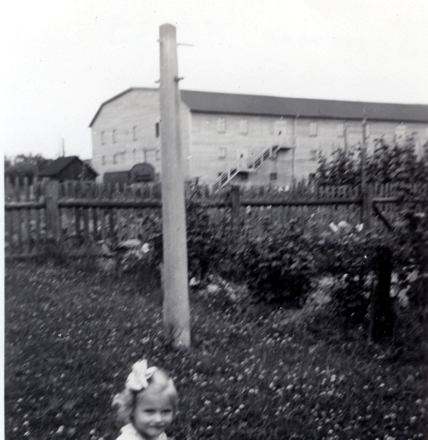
{"x": 147, "y": 405}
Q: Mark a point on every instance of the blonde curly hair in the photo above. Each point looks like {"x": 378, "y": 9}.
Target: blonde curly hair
{"x": 126, "y": 401}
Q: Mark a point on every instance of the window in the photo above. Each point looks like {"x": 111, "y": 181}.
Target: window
{"x": 113, "y": 136}
{"x": 367, "y": 133}
{"x": 243, "y": 126}
{"x": 221, "y": 125}
{"x": 119, "y": 157}
{"x": 273, "y": 176}
{"x": 313, "y": 154}
{"x": 102, "y": 138}
{"x": 157, "y": 153}
{"x": 281, "y": 128}
{"x": 157, "y": 129}
{"x": 243, "y": 177}
{"x": 103, "y": 160}
{"x": 134, "y": 133}
{"x": 222, "y": 152}
{"x": 313, "y": 129}
{"x": 340, "y": 130}
{"x": 400, "y": 131}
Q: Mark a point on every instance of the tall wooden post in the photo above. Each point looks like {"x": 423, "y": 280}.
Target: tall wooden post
{"x": 382, "y": 313}
{"x": 176, "y": 296}
{"x": 236, "y": 203}
{"x": 53, "y": 224}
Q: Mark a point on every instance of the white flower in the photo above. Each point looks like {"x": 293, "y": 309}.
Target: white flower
{"x": 140, "y": 374}
{"x": 145, "y": 248}
{"x": 333, "y": 227}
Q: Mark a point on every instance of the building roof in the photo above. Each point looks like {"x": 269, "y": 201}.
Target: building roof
{"x": 58, "y": 165}
{"x": 312, "y": 108}
{"x": 232, "y": 103}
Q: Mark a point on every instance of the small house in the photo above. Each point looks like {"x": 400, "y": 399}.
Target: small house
{"x": 68, "y": 168}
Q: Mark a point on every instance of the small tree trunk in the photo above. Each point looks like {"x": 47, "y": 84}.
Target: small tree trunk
{"x": 236, "y": 204}
{"x": 382, "y": 314}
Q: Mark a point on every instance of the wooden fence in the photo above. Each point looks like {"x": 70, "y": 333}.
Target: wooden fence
{"x": 48, "y": 210}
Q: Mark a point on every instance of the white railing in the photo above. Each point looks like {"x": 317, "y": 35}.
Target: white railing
{"x": 255, "y": 164}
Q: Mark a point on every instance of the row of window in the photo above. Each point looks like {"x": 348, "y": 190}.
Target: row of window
{"x": 281, "y": 128}
{"x": 120, "y": 157}
{"x": 243, "y": 177}
{"x": 341, "y": 130}
{"x": 133, "y": 133}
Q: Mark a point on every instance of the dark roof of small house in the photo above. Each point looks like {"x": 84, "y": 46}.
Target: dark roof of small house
{"x": 233, "y": 103}
{"x": 58, "y": 165}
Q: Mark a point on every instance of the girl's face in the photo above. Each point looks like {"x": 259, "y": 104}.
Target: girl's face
{"x": 153, "y": 413}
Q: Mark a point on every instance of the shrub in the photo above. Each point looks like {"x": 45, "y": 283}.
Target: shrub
{"x": 278, "y": 267}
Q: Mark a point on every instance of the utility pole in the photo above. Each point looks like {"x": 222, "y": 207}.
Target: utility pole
{"x": 175, "y": 285}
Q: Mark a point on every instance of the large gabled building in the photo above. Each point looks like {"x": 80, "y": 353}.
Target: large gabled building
{"x": 247, "y": 139}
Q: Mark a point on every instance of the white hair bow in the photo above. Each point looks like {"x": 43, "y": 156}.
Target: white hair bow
{"x": 140, "y": 374}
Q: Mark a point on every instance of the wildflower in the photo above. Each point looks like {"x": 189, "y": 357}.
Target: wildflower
{"x": 145, "y": 248}
{"x": 333, "y": 227}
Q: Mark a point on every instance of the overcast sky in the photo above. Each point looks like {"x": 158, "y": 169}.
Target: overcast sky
{"x": 63, "y": 58}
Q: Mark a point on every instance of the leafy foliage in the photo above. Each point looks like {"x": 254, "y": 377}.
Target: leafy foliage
{"x": 388, "y": 163}
{"x": 278, "y": 267}
{"x": 24, "y": 166}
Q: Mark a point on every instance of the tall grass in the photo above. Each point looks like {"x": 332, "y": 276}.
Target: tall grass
{"x": 251, "y": 373}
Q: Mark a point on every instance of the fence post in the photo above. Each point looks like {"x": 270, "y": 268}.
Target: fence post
{"x": 53, "y": 224}
{"x": 366, "y": 208}
{"x": 236, "y": 203}
{"x": 382, "y": 315}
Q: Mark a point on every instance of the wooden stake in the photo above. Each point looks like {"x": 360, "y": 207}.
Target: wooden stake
{"x": 53, "y": 225}
{"x": 175, "y": 284}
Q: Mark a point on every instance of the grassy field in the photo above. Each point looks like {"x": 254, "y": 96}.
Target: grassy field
{"x": 72, "y": 335}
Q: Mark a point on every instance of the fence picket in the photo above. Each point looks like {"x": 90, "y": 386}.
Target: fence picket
{"x": 27, "y": 215}
{"x": 86, "y": 230}
{"x": 9, "y": 230}
{"x": 37, "y": 229}
{"x": 95, "y": 218}
{"x": 102, "y": 224}
{"x": 25, "y": 224}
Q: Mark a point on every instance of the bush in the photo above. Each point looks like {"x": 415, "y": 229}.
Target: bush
{"x": 278, "y": 267}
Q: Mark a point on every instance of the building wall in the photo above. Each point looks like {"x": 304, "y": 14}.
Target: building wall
{"x": 124, "y": 133}
{"x": 127, "y": 131}
{"x": 219, "y": 141}
{"x": 215, "y": 150}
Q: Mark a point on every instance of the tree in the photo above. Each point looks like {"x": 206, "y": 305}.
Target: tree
{"x": 24, "y": 166}
{"x": 392, "y": 162}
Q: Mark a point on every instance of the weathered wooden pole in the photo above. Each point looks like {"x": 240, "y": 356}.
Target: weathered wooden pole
{"x": 53, "y": 223}
{"x": 382, "y": 314}
{"x": 175, "y": 285}
{"x": 236, "y": 204}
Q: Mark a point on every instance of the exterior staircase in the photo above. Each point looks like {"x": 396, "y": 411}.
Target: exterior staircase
{"x": 238, "y": 166}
